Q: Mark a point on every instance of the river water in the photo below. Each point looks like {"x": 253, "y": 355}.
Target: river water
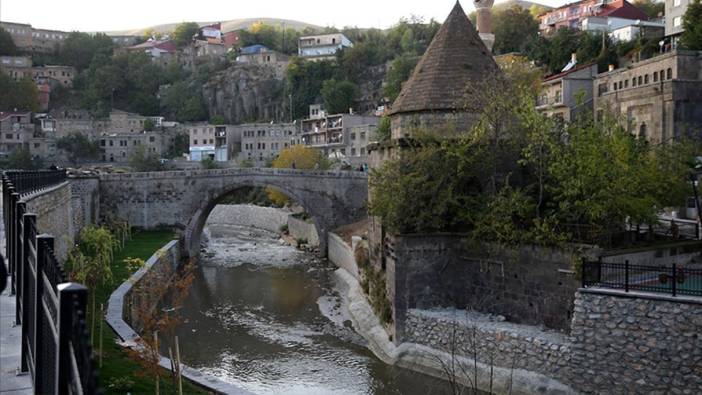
{"x": 268, "y": 318}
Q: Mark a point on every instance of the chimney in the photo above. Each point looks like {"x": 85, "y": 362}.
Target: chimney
{"x": 483, "y": 10}
{"x": 611, "y": 67}
{"x": 573, "y": 58}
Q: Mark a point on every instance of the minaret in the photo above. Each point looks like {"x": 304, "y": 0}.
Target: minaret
{"x": 483, "y": 9}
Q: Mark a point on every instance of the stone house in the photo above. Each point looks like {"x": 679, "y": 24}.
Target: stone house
{"x": 118, "y": 147}
{"x": 567, "y": 94}
{"x": 28, "y": 38}
{"x": 323, "y": 46}
{"x": 659, "y": 98}
{"x": 161, "y": 52}
{"x": 19, "y": 67}
{"x": 260, "y": 54}
{"x": 674, "y": 12}
{"x": 262, "y": 142}
{"x": 16, "y": 129}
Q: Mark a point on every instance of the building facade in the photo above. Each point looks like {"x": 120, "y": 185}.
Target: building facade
{"x": 16, "y": 130}
{"x": 262, "y": 142}
{"x": 161, "y": 52}
{"x": 28, "y": 38}
{"x": 660, "y": 99}
{"x": 674, "y": 12}
{"x": 590, "y": 15}
{"x": 220, "y": 143}
{"x": 322, "y": 47}
{"x": 332, "y": 134}
{"x": 567, "y": 94}
{"x": 118, "y": 147}
{"x": 18, "y": 67}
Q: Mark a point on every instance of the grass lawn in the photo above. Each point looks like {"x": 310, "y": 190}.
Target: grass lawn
{"x": 116, "y": 364}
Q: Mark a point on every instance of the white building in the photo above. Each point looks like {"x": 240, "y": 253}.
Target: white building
{"x": 220, "y": 143}
{"x": 322, "y": 47}
{"x": 637, "y": 29}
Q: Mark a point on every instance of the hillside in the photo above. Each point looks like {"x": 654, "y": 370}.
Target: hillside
{"x": 503, "y": 5}
{"x": 227, "y": 26}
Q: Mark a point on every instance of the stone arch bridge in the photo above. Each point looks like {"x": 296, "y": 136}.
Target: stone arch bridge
{"x": 184, "y": 199}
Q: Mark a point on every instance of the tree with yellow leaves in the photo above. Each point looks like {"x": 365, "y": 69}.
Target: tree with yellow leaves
{"x": 296, "y": 157}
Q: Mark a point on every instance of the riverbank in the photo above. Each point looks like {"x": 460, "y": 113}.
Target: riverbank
{"x": 120, "y": 374}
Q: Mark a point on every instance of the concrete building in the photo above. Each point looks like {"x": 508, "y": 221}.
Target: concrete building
{"x": 262, "y": 142}
{"x": 322, "y": 47}
{"x": 636, "y": 29}
{"x": 16, "y": 130}
{"x": 69, "y": 122}
{"x": 124, "y": 41}
{"x": 118, "y": 147}
{"x": 660, "y": 98}
{"x": 579, "y": 15}
{"x": 332, "y": 133}
{"x": 674, "y": 12}
{"x": 21, "y": 34}
{"x": 260, "y": 54}
{"x": 569, "y": 93}
{"x": 220, "y": 143}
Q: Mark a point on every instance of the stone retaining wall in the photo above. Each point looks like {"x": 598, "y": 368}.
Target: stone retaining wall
{"x": 644, "y": 343}
{"x": 300, "y": 229}
{"x": 341, "y": 254}
{"x": 54, "y": 210}
{"x": 85, "y": 201}
{"x": 266, "y": 218}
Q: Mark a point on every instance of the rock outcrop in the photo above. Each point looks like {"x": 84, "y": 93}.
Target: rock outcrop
{"x": 246, "y": 93}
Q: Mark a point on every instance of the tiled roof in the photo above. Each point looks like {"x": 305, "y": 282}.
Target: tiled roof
{"x": 455, "y": 58}
{"x": 165, "y": 45}
{"x": 6, "y": 114}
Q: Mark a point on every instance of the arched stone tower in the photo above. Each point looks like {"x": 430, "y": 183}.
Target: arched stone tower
{"x": 483, "y": 10}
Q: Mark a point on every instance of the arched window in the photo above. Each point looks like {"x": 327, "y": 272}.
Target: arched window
{"x": 642, "y": 131}
{"x": 669, "y": 74}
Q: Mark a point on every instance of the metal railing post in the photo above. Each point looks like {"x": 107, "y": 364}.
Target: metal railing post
{"x": 14, "y": 199}
{"x": 30, "y": 247}
{"x": 71, "y": 296}
{"x": 19, "y": 255}
{"x": 44, "y": 243}
{"x": 626, "y": 275}
{"x": 675, "y": 279}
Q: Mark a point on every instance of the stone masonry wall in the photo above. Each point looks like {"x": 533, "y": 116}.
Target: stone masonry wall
{"x": 85, "y": 202}
{"x": 266, "y": 218}
{"x": 529, "y": 285}
{"x": 642, "y": 344}
{"x": 619, "y": 343}
{"x": 54, "y": 216}
{"x": 300, "y": 229}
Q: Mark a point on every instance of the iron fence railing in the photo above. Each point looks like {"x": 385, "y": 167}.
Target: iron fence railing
{"x": 666, "y": 279}
{"x": 55, "y": 346}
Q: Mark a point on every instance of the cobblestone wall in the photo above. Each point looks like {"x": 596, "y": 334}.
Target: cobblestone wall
{"x": 85, "y": 202}
{"x": 618, "y": 343}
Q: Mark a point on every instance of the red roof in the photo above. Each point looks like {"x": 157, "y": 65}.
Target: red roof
{"x": 217, "y": 26}
{"x": 622, "y": 9}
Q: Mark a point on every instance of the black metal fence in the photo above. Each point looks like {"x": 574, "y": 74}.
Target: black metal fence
{"x": 671, "y": 279}
{"x": 55, "y": 345}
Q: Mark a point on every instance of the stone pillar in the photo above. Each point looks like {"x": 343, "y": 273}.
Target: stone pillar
{"x": 483, "y": 9}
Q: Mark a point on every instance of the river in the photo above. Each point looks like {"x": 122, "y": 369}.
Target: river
{"x": 268, "y": 318}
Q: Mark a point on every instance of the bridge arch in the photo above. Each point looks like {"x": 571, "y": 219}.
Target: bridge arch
{"x": 184, "y": 199}
{"x": 192, "y": 237}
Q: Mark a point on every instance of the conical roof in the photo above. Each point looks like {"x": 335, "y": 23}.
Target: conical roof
{"x": 455, "y": 58}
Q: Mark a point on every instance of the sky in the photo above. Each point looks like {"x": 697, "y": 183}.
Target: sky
{"x": 115, "y": 15}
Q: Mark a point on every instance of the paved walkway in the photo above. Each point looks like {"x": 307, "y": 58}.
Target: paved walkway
{"x": 10, "y": 352}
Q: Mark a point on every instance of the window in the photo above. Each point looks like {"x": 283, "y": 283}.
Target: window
{"x": 677, "y": 21}
{"x": 102, "y": 143}
{"x": 614, "y": 86}
{"x": 655, "y": 76}
{"x": 620, "y": 85}
{"x": 353, "y": 151}
{"x": 195, "y": 142}
{"x": 662, "y": 75}
{"x": 363, "y": 151}
{"x": 8, "y": 136}
{"x": 112, "y": 143}
{"x": 363, "y": 135}
{"x": 633, "y": 82}
{"x": 626, "y": 83}
{"x": 353, "y": 136}
{"x": 646, "y": 79}
{"x": 152, "y": 139}
{"x": 676, "y": 3}
{"x": 37, "y": 145}
{"x": 640, "y": 82}
{"x": 669, "y": 74}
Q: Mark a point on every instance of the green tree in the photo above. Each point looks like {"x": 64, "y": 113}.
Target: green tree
{"x": 209, "y": 164}
{"x": 21, "y": 159}
{"x": 297, "y": 157}
{"x": 384, "y": 132}
{"x": 513, "y": 27}
{"x": 652, "y": 8}
{"x": 149, "y": 125}
{"x": 183, "y": 103}
{"x": 79, "y": 49}
{"x": 181, "y": 145}
{"x": 692, "y": 25}
{"x": 339, "y": 96}
{"x": 184, "y": 32}
{"x": 7, "y": 45}
{"x": 218, "y": 120}
{"x": 78, "y": 147}
{"x": 142, "y": 160}
{"x": 304, "y": 82}
{"x": 22, "y": 95}
{"x": 400, "y": 70}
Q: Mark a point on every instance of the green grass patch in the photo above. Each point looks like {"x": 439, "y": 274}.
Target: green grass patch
{"x": 119, "y": 374}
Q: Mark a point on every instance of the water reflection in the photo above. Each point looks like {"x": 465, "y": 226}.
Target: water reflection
{"x": 254, "y": 319}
